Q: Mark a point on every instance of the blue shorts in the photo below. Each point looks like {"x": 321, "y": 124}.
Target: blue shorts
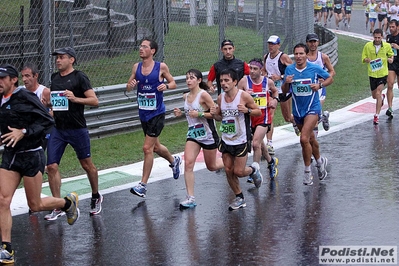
{"x": 373, "y": 19}
{"x": 300, "y": 120}
{"x": 78, "y": 138}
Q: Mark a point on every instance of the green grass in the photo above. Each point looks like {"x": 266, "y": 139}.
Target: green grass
{"x": 350, "y": 85}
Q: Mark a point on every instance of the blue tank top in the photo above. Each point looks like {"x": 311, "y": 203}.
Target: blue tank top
{"x": 149, "y": 99}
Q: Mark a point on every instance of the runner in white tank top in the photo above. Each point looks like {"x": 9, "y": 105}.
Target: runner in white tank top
{"x": 201, "y": 132}
{"x": 235, "y": 107}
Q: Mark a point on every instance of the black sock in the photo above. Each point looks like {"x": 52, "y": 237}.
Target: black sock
{"x": 240, "y": 195}
{"x": 253, "y": 171}
{"x": 68, "y": 204}
{"x": 95, "y": 196}
{"x": 7, "y": 246}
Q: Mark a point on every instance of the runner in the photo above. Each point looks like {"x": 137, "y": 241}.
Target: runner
{"x": 71, "y": 91}
{"x": 301, "y": 78}
{"x": 348, "y": 12}
{"x": 24, "y": 122}
{"x": 317, "y": 6}
{"x": 148, "y": 76}
{"x": 201, "y": 132}
{"x": 228, "y": 61}
{"x": 393, "y": 69}
{"x": 316, "y": 57}
{"x": 260, "y": 89}
{"x": 275, "y": 63}
{"x": 366, "y": 12}
{"x": 377, "y": 54}
{"x": 234, "y": 109}
{"x": 338, "y": 12}
{"x": 373, "y": 14}
{"x": 394, "y": 11}
{"x": 383, "y": 8}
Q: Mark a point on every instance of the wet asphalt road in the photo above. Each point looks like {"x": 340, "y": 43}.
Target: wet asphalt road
{"x": 284, "y": 222}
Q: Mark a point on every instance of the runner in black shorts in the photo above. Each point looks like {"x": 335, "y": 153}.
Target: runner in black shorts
{"x": 24, "y": 122}
{"x": 201, "y": 133}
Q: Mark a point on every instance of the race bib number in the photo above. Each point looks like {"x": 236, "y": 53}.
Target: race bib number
{"x": 348, "y": 8}
{"x": 338, "y": 6}
{"x": 59, "y": 101}
{"x": 302, "y": 87}
{"x": 376, "y": 64}
{"x": 197, "y": 132}
{"x": 260, "y": 99}
{"x": 395, "y": 51}
{"x": 147, "y": 101}
{"x": 228, "y": 127}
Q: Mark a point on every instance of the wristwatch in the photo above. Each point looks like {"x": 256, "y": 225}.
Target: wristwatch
{"x": 24, "y": 131}
{"x": 249, "y": 110}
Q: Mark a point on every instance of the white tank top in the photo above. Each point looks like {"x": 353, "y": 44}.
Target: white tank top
{"x": 271, "y": 66}
{"x": 39, "y": 91}
{"x": 233, "y": 126}
{"x": 318, "y": 61}
{"x": 198, "y": 127}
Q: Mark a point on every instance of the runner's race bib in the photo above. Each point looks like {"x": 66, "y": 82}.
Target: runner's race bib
{"x": 228, "y": 127}
{"x": 197, "y": 132}
{"x": 301, "y": 87}
{"x": 260, "y": 99}
{"x": 59, "y": 101}
{"x": 147, "y": 101}
{"x": 376, "y": 64}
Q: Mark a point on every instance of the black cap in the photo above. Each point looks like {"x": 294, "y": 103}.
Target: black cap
{"x": 312, "y": 37}
{"x": 66, "y": 50}
{"x": 226, "y": 42}
{"x": 8, "y": 70}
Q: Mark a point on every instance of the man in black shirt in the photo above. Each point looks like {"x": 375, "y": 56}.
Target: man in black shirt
{"x": 70, "y": 92}
{"x": 393, "y": 69}
{"x": 228, "y": 61}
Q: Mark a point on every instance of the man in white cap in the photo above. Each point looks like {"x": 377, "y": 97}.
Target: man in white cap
{"x": 275, "y": 63}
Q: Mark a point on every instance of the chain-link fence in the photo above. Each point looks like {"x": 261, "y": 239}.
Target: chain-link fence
{"x": 106, "y": 33}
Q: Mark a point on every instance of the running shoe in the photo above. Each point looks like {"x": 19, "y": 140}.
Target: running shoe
{"x": 389, "y": 112}
{"x": 376, "y": 120}
{"x": 321, "y": 169}
{"x": 73, "y": 212}
{"x": 5, "y": 256}
{"x": 237, "y": 203}
{"x": 54, "y": 215}
{"x": 189, "y": 202}
{"x": 308, "y": 179}
{"x": 139, "y": 190}
{"x": 176, "y": 167}
{"x": 250, "y": 180}
{"x": 326, "y": 121}
{"x": 270, "y": 150}
{"x": 296, "y": 129}
{"x": 95, "y": 205}
{"x": 256, "y": 176}
{"x": 273, "y": 168}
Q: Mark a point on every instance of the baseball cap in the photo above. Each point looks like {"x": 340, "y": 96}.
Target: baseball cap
{"x": 8, "y": 70}
{"x": 226, "y": 42}
{"x": 312, "y": 37}
{"x": 274, "y": 39}
{"x": 65, "y": 50}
